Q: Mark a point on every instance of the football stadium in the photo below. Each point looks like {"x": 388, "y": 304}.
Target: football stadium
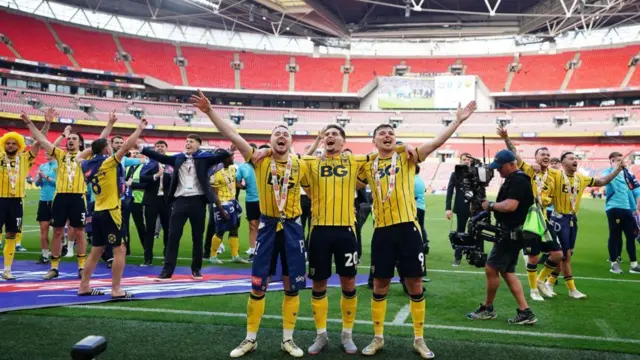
{"x": 164, "y": 162}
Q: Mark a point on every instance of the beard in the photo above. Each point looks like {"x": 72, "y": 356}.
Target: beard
{"x": 11, "y": 153}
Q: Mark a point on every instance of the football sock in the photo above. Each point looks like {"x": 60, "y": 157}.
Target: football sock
{"x": 19, "y": 239}
{"x": 553, "y": 278}
{"x": 45, "y": 253}
{"x": 234, "y": 242}
{"x": 215, "y": 244}
{"x": 255, "y": 310}
{"x": 348, "y": 306}
{"x": 548, "y": 268}
{"x": 417, "y": 307}
{"x": 9, "y": 252}
{"x": 570, "y": 283}
{"x": 55, "y": 262}
{"x": 320, "y": 308}
{"x": 290, "y": 309}
{"x": 378, "y": 313}
{"x": 532, "y": 270}
{"x": 82, "y": 258}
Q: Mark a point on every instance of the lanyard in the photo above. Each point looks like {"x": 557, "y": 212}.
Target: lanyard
{"x": 540, "y": 184}
{"x": 228, "y": 180}
{"x": 281, "y": 199}
{"x": 71, "y": 169}
{"x": 12, "y": 172}
{"x": 573, "y": 190}
{"x": 392, "y": 177}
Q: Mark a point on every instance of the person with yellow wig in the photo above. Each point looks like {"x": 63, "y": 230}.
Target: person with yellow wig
{"x": 15, "y": 164}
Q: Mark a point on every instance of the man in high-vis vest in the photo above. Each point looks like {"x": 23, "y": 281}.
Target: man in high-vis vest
{"x": 136, "y": 189}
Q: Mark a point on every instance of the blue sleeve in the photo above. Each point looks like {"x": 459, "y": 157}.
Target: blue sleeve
{"x": 240, "y": 173}
{"x": 52, "y": 175}
{"x": 636, "y": 193}
{"x": 126, "y": 161}
{"x": 148, "y": 167}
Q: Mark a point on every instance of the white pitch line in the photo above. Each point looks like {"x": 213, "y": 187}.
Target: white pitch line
{"x": 402, "y": 315}
{"x": 365, "y": 322}
{"x": 607, "y": 330}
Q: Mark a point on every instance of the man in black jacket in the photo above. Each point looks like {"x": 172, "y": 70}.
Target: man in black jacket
{"x": 156, "y": 179}
{"x": 189, "y": 192}
{"x": 460, "y": 206}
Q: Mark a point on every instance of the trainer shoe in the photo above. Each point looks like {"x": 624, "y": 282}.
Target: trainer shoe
{"x": 291, "y": 348}
{"x": 376, "y": 345}
{"x": 51, "y": 274}
{"x": 245, "y": 347}
{"x": 549, "y": 287}
{"x": 322, "y": 341}
{"x": 482, "y": 313}
{"x": 43, "y": 260}
{"x": 164, "y": 276}
{"x": 456, "y": 262}
{"x": 196, "y": 274}
{"x": 215, "y": 260}
{"x": 239, "y": 260}
{"x": 577, "y": 294}
{"x": 615, "y": 268}
{"x": 544, "y": 290}
{"x": 7, "y": 275}
{"x": 20, "y": 248}
{"x": 635, "y": 269}
{"x": 109, "y": 263}
{"x": 250, "y": 251}
{"x": 421, "y": 348}
{"x": 535, "y": 295}
{"x": 348, "y": 344}
{"x": 221, "y": 249}
{"x": 80, "y": 271}
{"x": 523, "y": 317}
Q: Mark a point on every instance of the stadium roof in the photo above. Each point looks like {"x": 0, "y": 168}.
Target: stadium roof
{"x": 336, "y": 22}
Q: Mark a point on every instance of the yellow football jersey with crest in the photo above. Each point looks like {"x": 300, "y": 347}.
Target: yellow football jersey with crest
{"x": 550, "y": 176}
{"x": 224, "y": 181}
{"x": 104, "y": 186}
{"x": 13, "y": 173}
{"x": 560, "y": 191}
{"x": 70, "y": 179}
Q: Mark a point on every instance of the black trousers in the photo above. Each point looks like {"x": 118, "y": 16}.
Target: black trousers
{"x": 151, "y": 213}
{"x": 192, "y": 208}
{"x": 137, "y": 213}
{"x": 425, "y": 239}
{"x": 621, "y": 220}
{"x": 462, "y": 218}
{"x": 211, "y": 230}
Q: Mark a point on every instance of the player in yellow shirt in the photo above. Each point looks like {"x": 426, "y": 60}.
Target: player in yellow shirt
{"x": 227, "y": 210}
{"x": 69, "y": 201}
{"x": 396, "y": 238}
{"x": 565, "y": 193}
{"x": 105, "y": 175}
{"x": 279, "y": 177}
{"x": 541, "y": 175}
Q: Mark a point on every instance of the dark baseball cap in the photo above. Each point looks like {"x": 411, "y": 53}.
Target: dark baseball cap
{"x": 502, "y": 157}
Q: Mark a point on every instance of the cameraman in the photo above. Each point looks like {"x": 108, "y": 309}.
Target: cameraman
{"x": 511, "y": 207}
{"x": 460, "y": 205}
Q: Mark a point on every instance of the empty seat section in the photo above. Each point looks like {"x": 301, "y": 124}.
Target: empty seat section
{"x": 153, "y": 58}
{"x": 541, "y": 72}
{"x": 91, "y": 49}
{"x": 491, "y": 70}
{"x": 32, "y": 39}
{"x": 209, "y": 68}
{"x": 434, "y": 65}
{"x": 602, "y": 68}
{"x": 365, "y": 70}
{"x": 264, "y": 72}
{"x": 5, "y": 51}
{"x": 321, "y": 75}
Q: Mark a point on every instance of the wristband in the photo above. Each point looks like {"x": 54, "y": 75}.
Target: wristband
{"x": 490, "y": 205}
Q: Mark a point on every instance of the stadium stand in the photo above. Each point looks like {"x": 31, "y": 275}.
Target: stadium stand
{"x": 591, "y": 73}
{"x": 492, "y": 70}
{"x": 319, "y": 75}
{"x": 365, "y": 70}
{"x": 541, "y": 72}
{"x": 209, "y": 68}
{"x": 153, "y": 58}
{"x": 254, "y": 76}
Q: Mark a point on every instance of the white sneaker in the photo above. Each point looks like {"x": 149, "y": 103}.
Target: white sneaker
{"x": 577, "y": 294}
{"x": 250, "y": 251}
{"x": 215, "y": 260}
{"x": 535, "y": 295}
{"x": 549, "y": 287}
{"x": 421, "y": 348}
{"x": 348, "y": 344}
{"x": 635, "y": 269}
{"x": 245, "y": 347}
{"x": 7, "y": 275}
{"x": 291, "y": 348}
{"x": 239, "y": 260}
{"x": 372, "y": 349}
{"x": 322, "y": 341}
{"x": 221, "y": 249}
{"x": 615, "y": 268}
{"x": 544, "y": 290}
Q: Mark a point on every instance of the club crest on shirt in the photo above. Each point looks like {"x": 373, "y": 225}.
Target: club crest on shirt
{"x": 111, "y": 238}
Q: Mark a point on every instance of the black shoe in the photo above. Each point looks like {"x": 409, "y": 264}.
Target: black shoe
{"x": 146, "y": 264}
{"x": 109, "y": 263}
{"x": 483, "y": 313}
{"x": 196, "y": 275}
{"x": 80, "y": 271}
{"x": 164, "y": 276}
{"x": 524, "y": 317}
{"x": 43, "y": 260}
{"x": 65, "y": 250}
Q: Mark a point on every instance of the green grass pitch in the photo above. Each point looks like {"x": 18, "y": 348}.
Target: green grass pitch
{"x": 604, "y": 326}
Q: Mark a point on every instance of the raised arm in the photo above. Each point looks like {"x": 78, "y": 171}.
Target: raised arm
{"x": 65, "y": 133}
{"x": 37, "y": 135}
{"x": 161, "y": 158}
{"x": 312, "y": 149}
{"x": 203, "y": 104}
{"x": 604, "y": 180}
{"x": 131, "y": 140}
{"x": 49, "y": 116}
{"x": 107, "y": 129}
{"x": 502, "y": 132}
{"x": 461, "y": 115}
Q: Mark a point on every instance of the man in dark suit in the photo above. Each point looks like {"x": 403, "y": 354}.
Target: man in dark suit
{"x": 189, "y": 192}
{"x": 460, "y": 206}
{"x": 156, "y": 179}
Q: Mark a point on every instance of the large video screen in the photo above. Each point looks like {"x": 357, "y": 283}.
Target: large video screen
{"x": 438, "y": 92}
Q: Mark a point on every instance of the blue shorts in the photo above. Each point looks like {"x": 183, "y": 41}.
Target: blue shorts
{"x": 233, "y": 210}
{"x": 566, "y": 229}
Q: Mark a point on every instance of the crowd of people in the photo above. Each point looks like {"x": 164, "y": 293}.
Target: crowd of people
{"x": 94, "y": 192}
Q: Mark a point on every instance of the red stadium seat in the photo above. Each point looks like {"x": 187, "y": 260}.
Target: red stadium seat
{"x": 153, "y": 58}
{"x": 209, "y": 68}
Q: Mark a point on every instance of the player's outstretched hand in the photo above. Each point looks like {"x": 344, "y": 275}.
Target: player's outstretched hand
{"x": 260, "y": 155}
{"x": 464, "y": 113}
{"x": 201, "y": 102}
{"x": 50, "y": 115}
{"x": 502, "y": 132}
{"x": 112, "y": 117}
{"x": 25, "y": 118}
{"x": 142, "y": 124}
{"x": 67, "y": 131}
